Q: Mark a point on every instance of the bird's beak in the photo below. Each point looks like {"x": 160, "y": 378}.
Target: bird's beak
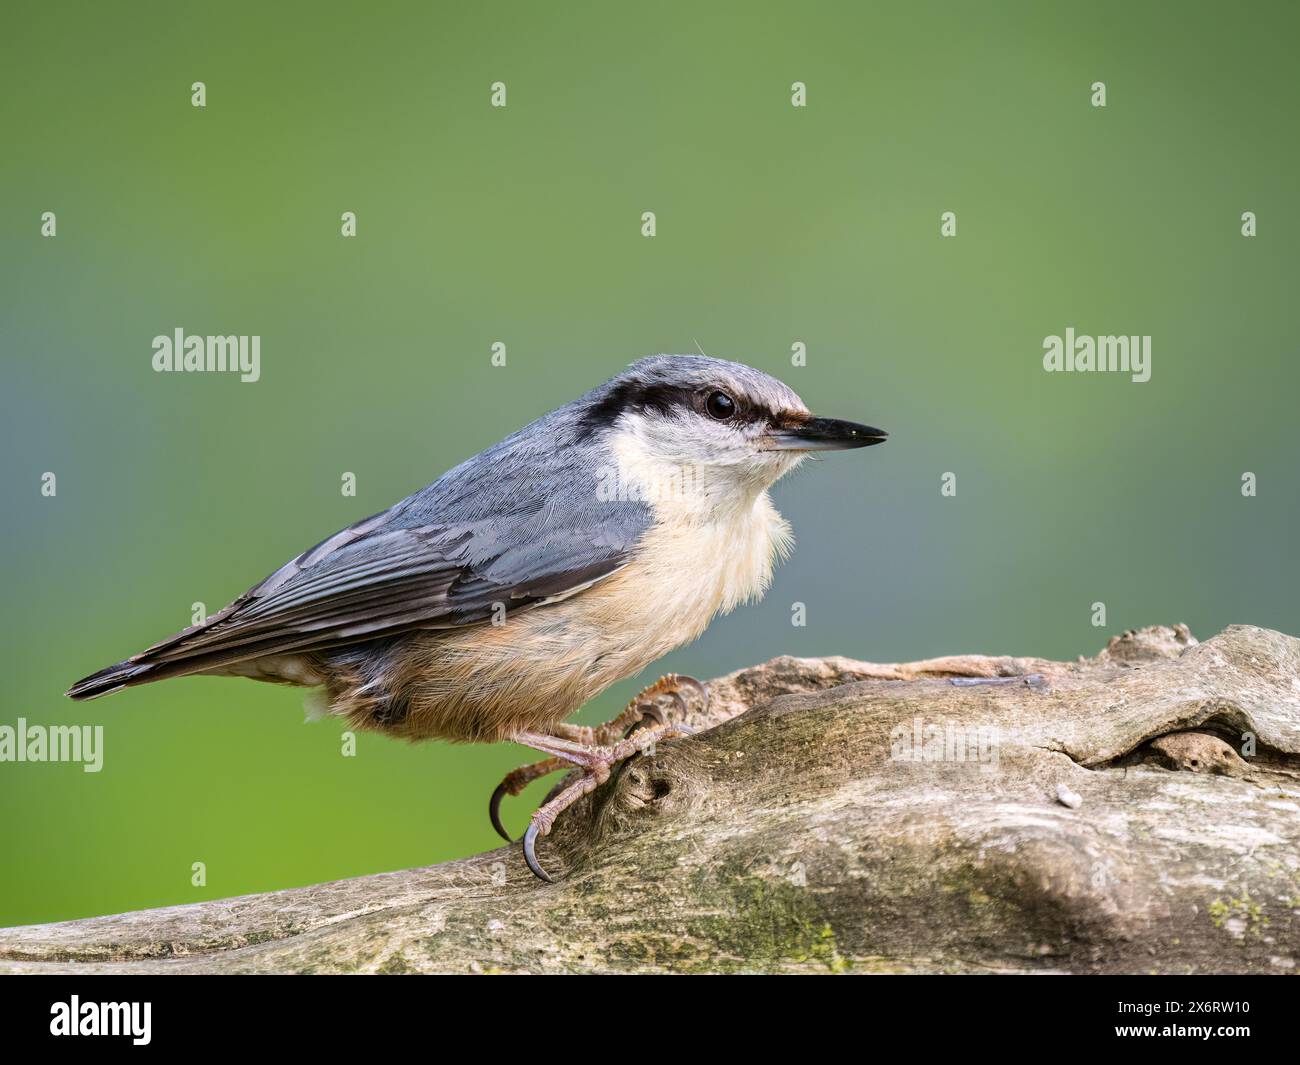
{"x": 822, "y": 434}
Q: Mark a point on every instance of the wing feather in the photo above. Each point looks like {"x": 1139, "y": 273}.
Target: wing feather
{"x": 423, "y": 577}
{"x": 522, "y": 523}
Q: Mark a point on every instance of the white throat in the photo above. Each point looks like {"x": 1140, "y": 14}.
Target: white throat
{"x": 654, "y": 465}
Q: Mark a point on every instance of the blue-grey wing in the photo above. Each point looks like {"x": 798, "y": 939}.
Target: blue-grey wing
{"x": 493, "y": 532}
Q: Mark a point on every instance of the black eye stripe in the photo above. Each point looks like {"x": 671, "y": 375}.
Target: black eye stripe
{"x": 666, "y": 400}
{"x": 633, "y": 395}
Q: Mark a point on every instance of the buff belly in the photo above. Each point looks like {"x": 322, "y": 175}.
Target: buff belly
{"x": 485, "y": 682}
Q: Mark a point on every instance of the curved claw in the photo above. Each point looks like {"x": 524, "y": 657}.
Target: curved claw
{"x": 655, "y": 711}
{"x": 701, "y": 689}
{"x": 651, "y": 710}
{"x": 494, "y": 809}
{"x": 530, "y": 854}
{"x": 514, "y": 782}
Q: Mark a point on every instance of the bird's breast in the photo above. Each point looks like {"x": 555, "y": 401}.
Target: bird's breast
{"x": 684, "y": 572}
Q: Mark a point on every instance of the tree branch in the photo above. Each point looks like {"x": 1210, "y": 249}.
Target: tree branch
{"x": 1101, "y": 818}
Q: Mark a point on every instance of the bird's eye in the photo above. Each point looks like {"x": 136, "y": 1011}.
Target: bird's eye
{"x": 720, "y": 406}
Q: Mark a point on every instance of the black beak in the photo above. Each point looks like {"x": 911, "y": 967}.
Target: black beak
{"x": 823, "y": 434}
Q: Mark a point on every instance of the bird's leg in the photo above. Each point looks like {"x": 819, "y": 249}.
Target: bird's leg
{"x": 595, "y": 763}
{"x": 584, "y": 734}
{"x": 644, "y": 705}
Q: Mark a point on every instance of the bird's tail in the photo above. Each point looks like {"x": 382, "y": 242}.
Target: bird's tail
{"x": 112, "y": 679}
{"x": 159, "y": 662}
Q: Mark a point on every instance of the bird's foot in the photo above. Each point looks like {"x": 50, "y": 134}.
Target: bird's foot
{"x": 662, "y": 702}
{"x": 596, "y": 763}
{"x": 646, "y": 707}
{"x": 515, "y": 781}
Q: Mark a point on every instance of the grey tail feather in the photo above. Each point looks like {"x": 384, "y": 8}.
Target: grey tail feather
{"x": 112, "y": 679}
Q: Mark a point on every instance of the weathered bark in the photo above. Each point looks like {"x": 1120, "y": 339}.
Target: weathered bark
{"x": 1104, "y": 820}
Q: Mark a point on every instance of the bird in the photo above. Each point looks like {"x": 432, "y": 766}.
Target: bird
{"x": 492, "y": 604}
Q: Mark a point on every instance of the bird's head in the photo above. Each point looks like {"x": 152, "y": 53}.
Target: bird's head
{"x": 711, "y": 425}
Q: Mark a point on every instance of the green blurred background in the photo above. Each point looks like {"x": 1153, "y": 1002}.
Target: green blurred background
{"x": 775, "y": 225}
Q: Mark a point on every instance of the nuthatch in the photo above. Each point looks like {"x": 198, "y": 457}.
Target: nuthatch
{"x": 493, "y": 603}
